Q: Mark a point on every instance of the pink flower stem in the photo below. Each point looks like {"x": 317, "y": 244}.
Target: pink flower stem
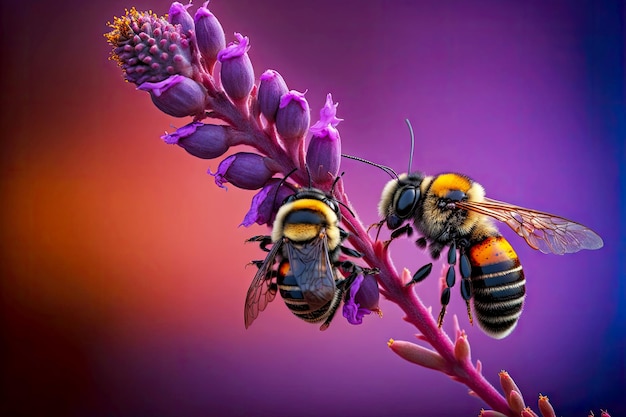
{"x": 376, "y": 256}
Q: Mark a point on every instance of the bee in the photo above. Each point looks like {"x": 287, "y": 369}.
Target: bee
{"x": 303, "y": 263}
{"x": 451, "y": 210}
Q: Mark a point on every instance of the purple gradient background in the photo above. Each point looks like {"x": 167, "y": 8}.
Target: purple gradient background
{"x": 122, "y": 265}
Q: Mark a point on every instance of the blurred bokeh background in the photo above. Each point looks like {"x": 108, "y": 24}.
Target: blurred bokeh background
{"x": 123, "y": 267}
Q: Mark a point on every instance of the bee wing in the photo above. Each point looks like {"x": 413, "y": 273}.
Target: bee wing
{"x": 543, "y": 231}
{"x": 311, "y": 267}
{"x": 262, "y": 291}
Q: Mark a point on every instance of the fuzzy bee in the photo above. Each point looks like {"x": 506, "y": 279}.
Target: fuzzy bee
{"x": 451, "y": 210}
{"x": 303, "y": 263}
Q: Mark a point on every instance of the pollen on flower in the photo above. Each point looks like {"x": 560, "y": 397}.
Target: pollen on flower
{"x": 121, "y": 26}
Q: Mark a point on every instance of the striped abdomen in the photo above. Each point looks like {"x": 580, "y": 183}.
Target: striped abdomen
{"x": 293, "y": 297}
{"x": 497, "y": 285}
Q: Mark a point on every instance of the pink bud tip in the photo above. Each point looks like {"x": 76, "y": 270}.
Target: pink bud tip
{"x": 545, "y": 408}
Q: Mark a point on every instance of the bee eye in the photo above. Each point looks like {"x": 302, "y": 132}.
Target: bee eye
{"x": 289, "y": 199}
{"x": 332, "y": 204}
{"x": 406, "y": 202}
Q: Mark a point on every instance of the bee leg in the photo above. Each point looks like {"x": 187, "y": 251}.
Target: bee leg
{"x": 466, "y": 283}
{"x": 258, "y": 264}
{"x": 263, "y": 241}
{"x": 445, "y": 295}
{"x": 404, "y": 230}
{"x": 350, "y": 252}
{"x": 445, "y": 299}
{"x": 376, "y": 225}
{"x": 421, "y": 274}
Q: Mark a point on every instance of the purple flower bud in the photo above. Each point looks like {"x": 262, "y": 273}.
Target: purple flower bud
{"x": 209, "y": 36}
{"x": 178, "y": 15}
{"x": 244, "y": 170}
{"x": 271, "y": 89}
{"x": 237, "y": 74}
{"x": 362, "y": 299}
{"x": 177, "y": 96}
{"x": 266, "y": 203}
{"x": 324, "y": 153}
{"x": 293, "y": 116}
{"x": 202, "y": 140}
{"x": 149, "y": 48}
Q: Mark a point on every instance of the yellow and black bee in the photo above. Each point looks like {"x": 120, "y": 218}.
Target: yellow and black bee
{"x": 451, "y": 210}
{"x": 303, "y": 262}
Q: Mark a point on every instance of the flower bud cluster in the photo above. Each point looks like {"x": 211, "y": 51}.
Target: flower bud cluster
{"x": 148, "y": 48}
{"x": 184, "y": 62}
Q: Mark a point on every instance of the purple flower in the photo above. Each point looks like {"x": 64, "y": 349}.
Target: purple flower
{"x": 178, "y": 15}
{"x": 237, "y": 74}
{"x": 266, "y": 203}
{"x": 271, "y": 88}
{"x": 362, "y": 299}
{"x": 324, "y": 153}
{"x": 149, "y": 48}
{"x": 202, "y": 140}
{"x": 209, "y": 36}
{"x": 293, "y": 116}
{"x": 177, "y": 96}
{"x": 244, "y": 170}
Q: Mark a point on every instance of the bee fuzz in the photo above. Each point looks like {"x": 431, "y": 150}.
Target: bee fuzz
{"x": 418, "y": 355}
{"x": 545, "y": 408}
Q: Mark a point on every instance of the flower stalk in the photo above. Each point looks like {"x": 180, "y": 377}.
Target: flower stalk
{"x": 174, "y": 61}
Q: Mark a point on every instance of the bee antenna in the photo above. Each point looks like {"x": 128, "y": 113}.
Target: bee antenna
{"x": 283, "y": 181}
{"x": 347, "y": 208}
{"x": 337, "y": 178}
{"x": 308, "y": 172}
{"x": 412, "y": 144}
{"x": 385, "y": 168}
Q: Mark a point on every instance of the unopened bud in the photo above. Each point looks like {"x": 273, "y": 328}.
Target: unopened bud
{"x": 418, "y": 355}
{"x": 271, "y": 88}
{"x": 545, "y": 408}
{"x": 202, "y": 140}
{"x": 293, "y": 116}
{"x": 177, "y": 96}
{"x": 462, "y": 350}
{"x": 178, "y": 15}
{"x": 323, "y": 156}
{"x": 244, "y": 170}
{"x": 237, "y": 74}
{"x": 209, "y": 36}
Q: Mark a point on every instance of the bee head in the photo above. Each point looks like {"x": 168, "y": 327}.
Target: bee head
{"x": 399, "y": 199}
{"x": 315, "y": 194}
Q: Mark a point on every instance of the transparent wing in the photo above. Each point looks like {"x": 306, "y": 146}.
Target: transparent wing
{"x": 311, "y": 267}
{"x": 543, "y": 231}
{"x": 262, "y": 290}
